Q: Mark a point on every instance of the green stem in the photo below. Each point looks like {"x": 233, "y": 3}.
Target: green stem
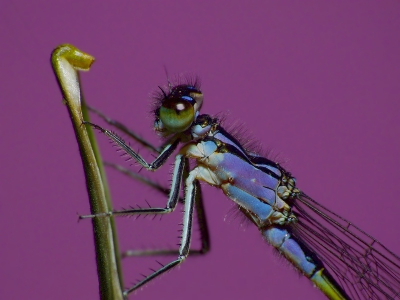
{"x": 66, "y": 60}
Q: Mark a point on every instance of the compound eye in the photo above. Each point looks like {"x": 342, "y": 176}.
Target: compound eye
{"x": 177, "y": 114}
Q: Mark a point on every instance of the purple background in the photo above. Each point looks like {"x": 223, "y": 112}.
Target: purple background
{"x": 317, "y": 82}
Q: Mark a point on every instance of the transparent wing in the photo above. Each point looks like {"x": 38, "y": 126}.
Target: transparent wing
{"x": 363, "y": 267}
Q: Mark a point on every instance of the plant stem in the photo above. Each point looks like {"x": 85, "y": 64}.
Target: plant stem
{"x": 66, "y": 61}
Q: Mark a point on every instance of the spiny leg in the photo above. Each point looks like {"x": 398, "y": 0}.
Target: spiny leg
{"x": 200, "y": 212}
{"x": 136, "y": 176}
{"x": 140, "y": 140}
{"x": 190, "y": 198}
{"x": 128, "y": 132}
{"x": 158, "y": 162}
{"x": 203, "y": 228}
{"x": 172, "y": 199}
{"x": 202, "y": 222}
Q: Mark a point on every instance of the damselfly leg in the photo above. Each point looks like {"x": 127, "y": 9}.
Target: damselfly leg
{"x": 121, "y": 127}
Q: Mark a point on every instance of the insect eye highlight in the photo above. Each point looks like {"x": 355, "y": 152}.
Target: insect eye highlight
{"x": 177, "y": 114}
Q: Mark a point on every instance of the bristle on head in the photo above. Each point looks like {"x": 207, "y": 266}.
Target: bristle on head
{"x": 162, "y": 92}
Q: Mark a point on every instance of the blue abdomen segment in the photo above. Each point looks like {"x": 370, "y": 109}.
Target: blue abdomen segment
{"x": 304, "y": 260}
{"x": 260, "y": 210}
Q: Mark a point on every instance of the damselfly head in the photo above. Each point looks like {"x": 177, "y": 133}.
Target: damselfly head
{"x": 177, "y": 109}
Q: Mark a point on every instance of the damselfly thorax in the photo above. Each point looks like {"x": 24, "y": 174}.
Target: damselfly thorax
{"x": 223, "y": 163}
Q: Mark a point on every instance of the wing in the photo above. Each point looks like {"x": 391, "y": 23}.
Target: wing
{"x": 363, "y": 267}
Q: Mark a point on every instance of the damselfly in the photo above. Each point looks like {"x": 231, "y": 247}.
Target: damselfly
{"x": 340, "y": 259}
